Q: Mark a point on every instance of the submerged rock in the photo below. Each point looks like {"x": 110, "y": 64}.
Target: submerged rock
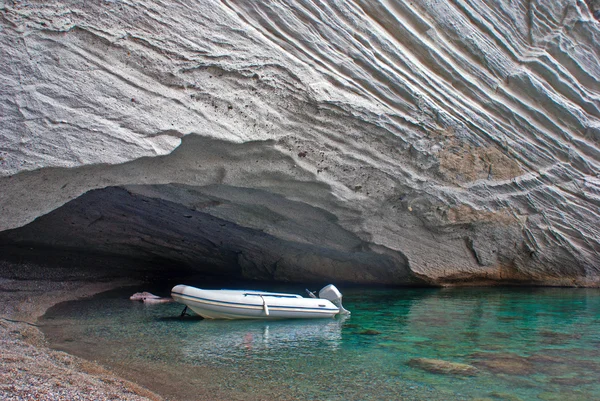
{"x": 505, "y": 396}
{"x": 505, "y": 363}
{"x": 369, "y": 332}
{"x": 443, "y": 367}
{"x": 421, "y": 143}
{"x": 571, "y": 381}
{"x": 563, "y": 396}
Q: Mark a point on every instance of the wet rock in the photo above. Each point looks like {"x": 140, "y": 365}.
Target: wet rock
{"x": 443, "y": 367}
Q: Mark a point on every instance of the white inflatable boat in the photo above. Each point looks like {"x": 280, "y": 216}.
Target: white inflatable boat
{"x": 249, "y": 304}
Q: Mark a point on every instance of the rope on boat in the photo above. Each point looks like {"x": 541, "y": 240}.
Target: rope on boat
{"x": 265, "y": 307}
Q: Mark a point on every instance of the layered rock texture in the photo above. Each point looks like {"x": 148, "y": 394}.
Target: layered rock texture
{"x": 400, "y": 142}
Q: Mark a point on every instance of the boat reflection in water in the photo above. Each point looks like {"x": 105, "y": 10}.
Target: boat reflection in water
{"x": 215, "y": 340}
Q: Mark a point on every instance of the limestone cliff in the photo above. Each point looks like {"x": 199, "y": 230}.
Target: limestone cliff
{"x": 404, "y": 141}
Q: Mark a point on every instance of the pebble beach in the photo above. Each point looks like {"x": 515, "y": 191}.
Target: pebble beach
{"x": 29, "y": 370}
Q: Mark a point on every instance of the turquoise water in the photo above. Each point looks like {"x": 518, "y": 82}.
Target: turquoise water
{"x": 520, "y": 344}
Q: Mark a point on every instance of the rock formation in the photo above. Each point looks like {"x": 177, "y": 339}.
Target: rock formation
{"x": 401, "y": 142}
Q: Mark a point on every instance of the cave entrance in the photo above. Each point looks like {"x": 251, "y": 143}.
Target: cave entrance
{"x": 219, "y": 231}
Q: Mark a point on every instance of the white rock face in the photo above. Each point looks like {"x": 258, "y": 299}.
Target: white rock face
{"x": 460, "y": 136}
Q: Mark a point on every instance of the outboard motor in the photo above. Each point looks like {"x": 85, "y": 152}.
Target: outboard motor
{"x": 335, "y": 296}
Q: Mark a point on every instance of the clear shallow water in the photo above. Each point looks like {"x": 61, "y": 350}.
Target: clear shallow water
{"x": 525, "y": 344}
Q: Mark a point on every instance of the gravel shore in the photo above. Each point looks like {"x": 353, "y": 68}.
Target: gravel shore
{"x": 29, "y": 370}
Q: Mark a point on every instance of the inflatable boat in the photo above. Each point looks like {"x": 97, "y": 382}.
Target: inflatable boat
{"x": 250, "y": 304}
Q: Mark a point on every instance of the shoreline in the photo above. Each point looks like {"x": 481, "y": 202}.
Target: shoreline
{"x": 30, "y": 370}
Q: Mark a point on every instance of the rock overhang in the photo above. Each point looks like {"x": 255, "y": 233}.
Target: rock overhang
{"x": 461, "y": 137}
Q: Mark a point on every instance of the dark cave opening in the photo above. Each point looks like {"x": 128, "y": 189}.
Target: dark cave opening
{"x": 119, "y": 232}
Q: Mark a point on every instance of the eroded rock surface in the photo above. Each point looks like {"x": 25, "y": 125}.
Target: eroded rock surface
{"x": 401, "y": 142}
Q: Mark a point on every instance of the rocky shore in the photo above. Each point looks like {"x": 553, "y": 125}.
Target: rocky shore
{"x": 29, "y": 370}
